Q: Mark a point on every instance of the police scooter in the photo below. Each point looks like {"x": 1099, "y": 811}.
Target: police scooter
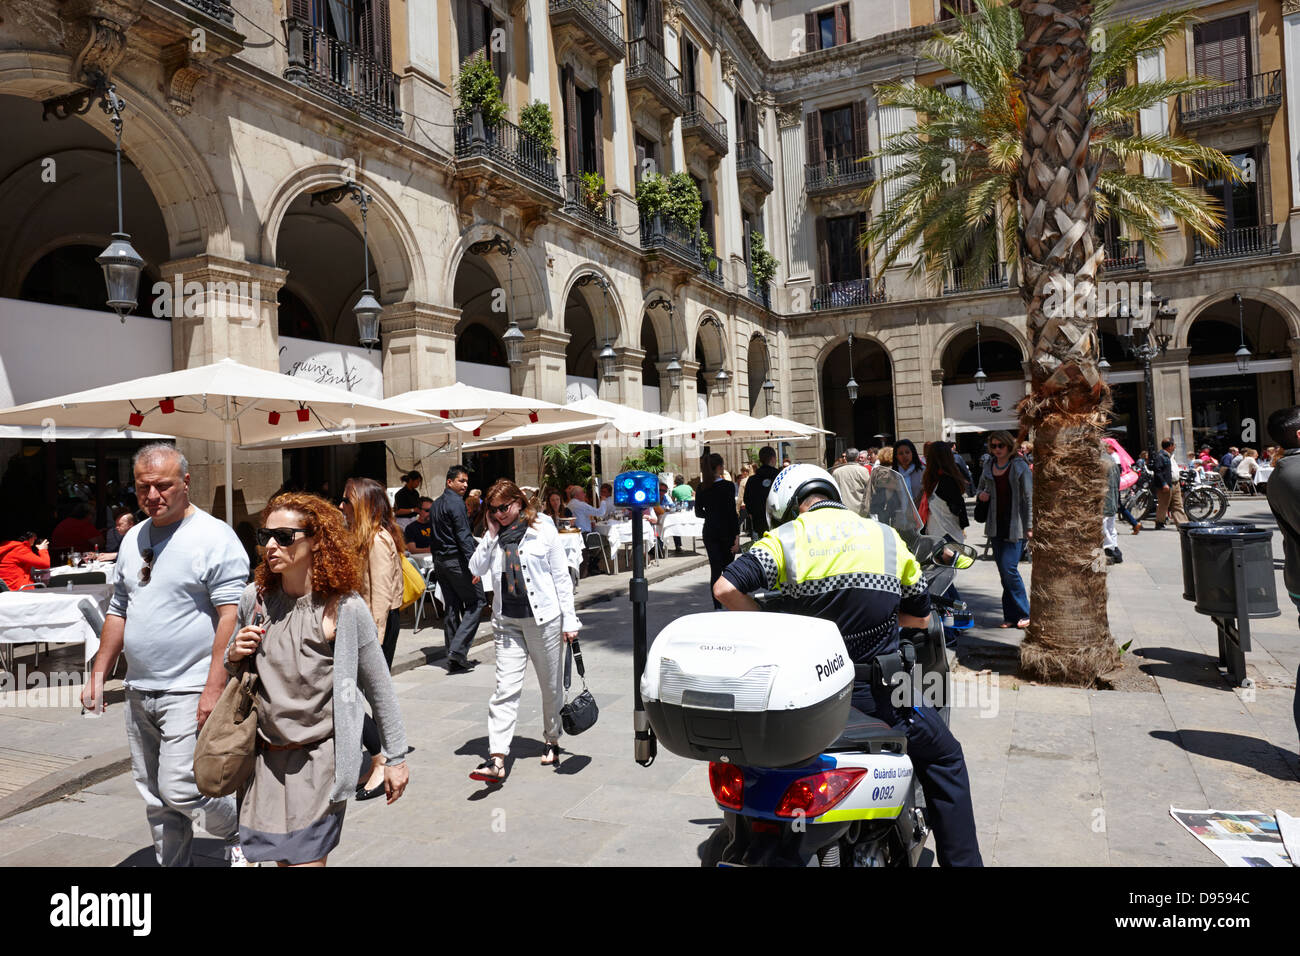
{"x": 803, "y": 778}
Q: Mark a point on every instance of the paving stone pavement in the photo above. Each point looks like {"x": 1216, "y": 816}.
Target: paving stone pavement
{"x": 1059, "y": 776}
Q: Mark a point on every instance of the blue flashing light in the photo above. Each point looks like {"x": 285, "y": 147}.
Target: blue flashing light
{"x": 634, "y": 489}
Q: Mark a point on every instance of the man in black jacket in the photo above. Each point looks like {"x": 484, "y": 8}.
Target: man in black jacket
{"x": 1284, "y": 501}
{"x": 756, "y": 489}
{"x": 1169, "y": 493}
{"x": 452, "y": 545}
{"x": 716, "y": 504}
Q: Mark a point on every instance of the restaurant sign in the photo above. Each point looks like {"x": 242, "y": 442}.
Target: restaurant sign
{"x": 966, "y": 409}
{"x": 338, "y": 366}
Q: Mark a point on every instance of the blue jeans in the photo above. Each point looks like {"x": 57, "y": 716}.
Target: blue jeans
{"x": 1015, "y": 601}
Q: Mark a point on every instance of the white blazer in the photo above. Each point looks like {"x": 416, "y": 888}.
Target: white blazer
{"x": 545, "y": 569}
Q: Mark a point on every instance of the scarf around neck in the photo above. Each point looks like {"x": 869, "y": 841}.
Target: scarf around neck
{"x": 511, "y": 568}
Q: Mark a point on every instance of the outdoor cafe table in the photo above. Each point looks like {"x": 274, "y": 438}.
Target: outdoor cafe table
{"x": 681, "y": 524}
{"x": 1261, "y": 474}
{"x": 52, "y": 616}
{"x": 619, "y": 532}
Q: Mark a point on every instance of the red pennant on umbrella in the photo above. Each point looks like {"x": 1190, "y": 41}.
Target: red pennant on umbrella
{"x": 167, "y": 406}
{"x": 136, "y": 419}
{"x": 532, "y": 417}
{"x": 304, "y": 414}
{"x": 273, "y": 418}
{"x": 477, "y": 432}
{"x": 444, "y": 413}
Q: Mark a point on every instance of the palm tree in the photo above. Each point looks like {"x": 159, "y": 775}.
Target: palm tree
{"x": 565, "y": 464}
{"x": 1027, "y": 165}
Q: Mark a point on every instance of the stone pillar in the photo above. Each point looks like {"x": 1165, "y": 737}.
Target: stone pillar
{"x": 423, "y": 94}
{"x": 910, "y": 414}
{"x": 1173, "y": 397}
{"x": 225, "y": 308}
{"x": 540, "y": 376}
{"x": 1294, "y": 346}
{"x": 419, "y": 345}
{"x": 1291, "y": 56}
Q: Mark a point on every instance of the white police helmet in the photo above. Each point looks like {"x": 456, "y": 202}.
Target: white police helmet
{"x": 793, "y": 485}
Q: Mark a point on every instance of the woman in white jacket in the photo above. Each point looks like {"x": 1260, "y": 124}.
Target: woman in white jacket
{"x": 532, "y": 616}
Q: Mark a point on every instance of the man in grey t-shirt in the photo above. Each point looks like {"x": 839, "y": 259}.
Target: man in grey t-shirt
{"x": 176, "y": 588}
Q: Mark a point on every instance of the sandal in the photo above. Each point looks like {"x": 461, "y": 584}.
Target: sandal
{"x": 1022, "y": 623}
{"x": 492, "y": 770}
{"x": 1005, "y": 624}
{"x": 551, "y": 756}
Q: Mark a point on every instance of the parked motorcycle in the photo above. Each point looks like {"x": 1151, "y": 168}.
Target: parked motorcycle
{"x": 1203, "y": 500}
{"x": 803, "y": 779}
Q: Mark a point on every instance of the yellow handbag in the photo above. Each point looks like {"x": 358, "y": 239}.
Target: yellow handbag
{"x": 413, "y": 583}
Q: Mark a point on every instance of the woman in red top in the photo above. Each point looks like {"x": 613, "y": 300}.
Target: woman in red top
{"x": 18, "y": 558}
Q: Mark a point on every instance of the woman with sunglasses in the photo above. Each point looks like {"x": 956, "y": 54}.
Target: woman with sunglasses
{"x": 1007, "y": 486}
{"x": 532, "y": 616}
{"x": 311, "y": 640}
{"x": 380, "y": 544}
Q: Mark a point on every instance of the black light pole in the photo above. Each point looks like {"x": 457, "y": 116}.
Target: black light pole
{"x": 1144, "y": 342}
{"x": 638, "y": 490}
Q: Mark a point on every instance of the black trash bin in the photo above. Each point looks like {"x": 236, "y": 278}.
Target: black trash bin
{"x": 1214, "y": 571}
{"x": 1185, "y": 545}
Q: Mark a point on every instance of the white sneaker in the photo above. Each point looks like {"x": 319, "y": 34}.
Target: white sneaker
{"x": 237, "y": 857}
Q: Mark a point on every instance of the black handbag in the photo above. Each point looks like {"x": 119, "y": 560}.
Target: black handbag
{"x": 981, "y": 511}
{"x": 580, "y": 713}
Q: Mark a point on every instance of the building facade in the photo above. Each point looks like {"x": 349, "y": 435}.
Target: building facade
{"x": 243, "y": 117}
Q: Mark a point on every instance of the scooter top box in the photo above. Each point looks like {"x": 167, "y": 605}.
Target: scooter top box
{"x": 751, "y": 688}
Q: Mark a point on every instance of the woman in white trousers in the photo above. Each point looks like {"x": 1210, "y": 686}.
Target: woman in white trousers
{"x": 532, "y": 617}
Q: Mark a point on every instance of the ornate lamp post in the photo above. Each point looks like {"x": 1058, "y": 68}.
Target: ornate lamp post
{"x": 1242, "y": 354}
{"x": 851, "y": 386}
{"x": 981, "y": 380}
{"x": 1144, "y": 341}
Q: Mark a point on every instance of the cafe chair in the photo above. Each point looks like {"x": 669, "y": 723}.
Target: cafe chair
{"x": 430, "y": 582}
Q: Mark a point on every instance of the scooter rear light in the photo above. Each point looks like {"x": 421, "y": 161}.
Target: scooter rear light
{"x": 728, "y": 784}
{"x": 814, "y": 795}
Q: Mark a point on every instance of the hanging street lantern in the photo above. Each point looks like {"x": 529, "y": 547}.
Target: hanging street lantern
{"x": 981, "y": 380}
{"x": 514, "y": 342}
{"x": 1242, "y": 354}
{"x": 367, "y": 310}
{"x": 122, "y": 266}
{"x": 608, "y": 361}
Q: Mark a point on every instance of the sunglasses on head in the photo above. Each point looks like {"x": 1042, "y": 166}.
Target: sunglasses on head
{"x": 283, "y": 536}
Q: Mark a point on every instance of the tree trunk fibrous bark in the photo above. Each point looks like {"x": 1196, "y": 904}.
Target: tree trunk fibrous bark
{"x": 1068, "y": 640}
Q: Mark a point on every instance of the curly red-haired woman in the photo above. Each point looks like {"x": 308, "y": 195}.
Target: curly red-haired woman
{"x": 312, "y": 641}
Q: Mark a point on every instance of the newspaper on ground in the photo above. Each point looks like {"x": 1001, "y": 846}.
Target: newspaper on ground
{"x": 1289, "y": 827}
{"x": 1237, "y": 837}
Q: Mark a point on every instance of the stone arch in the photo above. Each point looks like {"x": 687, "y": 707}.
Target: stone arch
{"x": 710, "y": 332}
{"x": 1016, "y": 334}
{"x": 664, "y": 327}
{"x": 596, "y": 300}
{"x": 1278, "y": 303}
{"x": 531, "y": 301}
{"x": 758, "y": 367}
{"x": 177, "y": 175}
{"x": 392, "y": 241}
{"x": 856, "y": 422}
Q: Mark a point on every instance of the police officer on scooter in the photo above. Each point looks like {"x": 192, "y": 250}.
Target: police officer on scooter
{"x": 858, "y": 573}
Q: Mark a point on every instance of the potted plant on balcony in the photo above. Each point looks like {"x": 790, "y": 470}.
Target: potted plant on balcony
{"x": 594, "y": 194}
{"x": 535, "y": 120}
{"x": 707, "y": 254}
{"x": 672, "y": 199}
{"x": 762, "y": 264}
{"x": 478, "y": 93}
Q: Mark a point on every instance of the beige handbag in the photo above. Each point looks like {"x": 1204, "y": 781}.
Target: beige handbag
{"x": 227, "y": 744}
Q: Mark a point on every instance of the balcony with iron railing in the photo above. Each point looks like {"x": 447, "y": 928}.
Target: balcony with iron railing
{"x": 1242, "y": 242}
{"x": 847, "y": 294}
{"x": 217, "y": 9}
{"x": 961, "y": 279}
{"x": 594, "y": 25}
{"x": 660, "y": 234}
{"x": 1244, "y": 98}
{"x": 508, "y": 148}
{"x": 762, "y": 294}
{"x": 341, "y": 72}
{"x": 651, "y": 79}
{"x": 838, "y": 173}
{"x": 589, "y": 206}
{"x": 712, "y": 271}
{"x": 703, "y": 126}
{"x": 753, "y": 167}
{"x": 1125, "y": 255}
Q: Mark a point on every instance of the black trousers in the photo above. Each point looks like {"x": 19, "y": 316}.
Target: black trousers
{"x": 464, "y": 601}
{"x": 719, "y": 557}
{"x": 941, "y": 770}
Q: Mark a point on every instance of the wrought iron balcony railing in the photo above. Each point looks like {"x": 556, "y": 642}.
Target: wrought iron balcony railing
{"x": 1125, "y": 255}
{"x": 646, "y": 67}
{"x": 762, "y": 294}
{"x": 591, "y": 208}
{"x": 753, "y": 162}
{"x": 712, "y": 270}
{"x": 846, "y": 295}
{"x": 1261, "y": 93}
{"x": 703, "y": 120}
{"x": 961, "y": 279}
{"x": 1239, "y": 243}
{"x": 505, "y": 143}
{"x": 602, "y": 21}
{"x": 658, "y": 232}
{"x": 341, "y": 72}
{"x": 217, "y": 9}
{"x": 836, "y": 173}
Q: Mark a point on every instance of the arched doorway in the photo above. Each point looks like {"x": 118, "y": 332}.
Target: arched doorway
{"x": 58, "y": 209}
{"x": 1224, "y": 401}
{"x": 969, "y": 413}
{"x": 481, "y": 358}
{"x": 870, "y": 420}
{"x": 652, "y": 398}
{"x": 758, "y": 364}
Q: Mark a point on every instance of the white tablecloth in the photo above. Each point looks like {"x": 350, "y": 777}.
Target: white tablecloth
{"x": 52, "y": 616}
{"x": 619, "y": 533}
{"x": 106, "y": 567}
{"x": 682, "y": 524}
{"x": 1261, "y": 474}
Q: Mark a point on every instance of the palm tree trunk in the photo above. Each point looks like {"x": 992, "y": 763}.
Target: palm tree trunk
{"x": 1069, "y": 639}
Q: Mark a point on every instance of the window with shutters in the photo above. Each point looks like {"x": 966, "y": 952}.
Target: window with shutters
{"x": 1222, "y": 48}
{"x": 476, "y": 27}
{"x": 837, "y": 133}
{"x": 946, "y": 8}
{"x": 647, "y": 157}
{"x": 827, "y": 28}
{"x": 343, "y": 49}
{"x": 844, "y": 258}
{"x": 690, "y": 63}
{"x": 1240, "y": 199}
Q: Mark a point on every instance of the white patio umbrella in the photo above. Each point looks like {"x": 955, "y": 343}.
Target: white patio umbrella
{"x": 627, "y": 421}
{"x": 725, "y": 426}
{"x": 789, "y": 427}
{"x": 527, "y": 436}
{"x": 225, "y": 401}
{"x": 495, "y": 412}
{"x": 427, "y": 429}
